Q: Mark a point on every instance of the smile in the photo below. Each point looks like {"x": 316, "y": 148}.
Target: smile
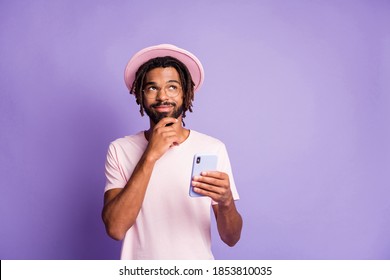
{"x": 163, "y": 107}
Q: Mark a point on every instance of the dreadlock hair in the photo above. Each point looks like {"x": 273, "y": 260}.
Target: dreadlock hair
{"x": 167, "y": 61}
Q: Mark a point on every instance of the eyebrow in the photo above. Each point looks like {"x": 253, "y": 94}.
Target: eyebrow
{"x": 154, "y": 83}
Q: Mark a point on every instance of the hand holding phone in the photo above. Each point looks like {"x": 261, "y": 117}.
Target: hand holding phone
{"x": 202, "y": 162}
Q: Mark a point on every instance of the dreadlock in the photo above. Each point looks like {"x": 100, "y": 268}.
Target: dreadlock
{"x": 167, "y": 61}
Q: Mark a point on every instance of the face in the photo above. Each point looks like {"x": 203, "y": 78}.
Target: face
{"x": 163, "y": 95}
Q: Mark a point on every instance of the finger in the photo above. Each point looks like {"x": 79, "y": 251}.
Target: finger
{"x": 213, "y": 178}
{"x": 215, "y": 174}
{"x": 170, "y": 137}
{"x": 207, "y": 190}
{"x": 208, "y": 187}
{"x": 204, "y": 192}
{"x": 165, "y": 121}
{"x": 216, "y": 196}
{"x": 216, "y": 193}
{"x": 163, "y": 131}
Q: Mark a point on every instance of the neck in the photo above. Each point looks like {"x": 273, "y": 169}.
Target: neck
{"x": 181, "y": 131}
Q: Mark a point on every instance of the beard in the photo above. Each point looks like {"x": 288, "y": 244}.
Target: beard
{"x": 158, "y": 116}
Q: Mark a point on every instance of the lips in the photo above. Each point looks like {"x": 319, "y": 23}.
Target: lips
{"x": 160, "y": 110}
{"x": 163, "y": 107}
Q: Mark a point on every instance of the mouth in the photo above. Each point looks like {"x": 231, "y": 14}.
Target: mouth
{"x": 163, "y": 107}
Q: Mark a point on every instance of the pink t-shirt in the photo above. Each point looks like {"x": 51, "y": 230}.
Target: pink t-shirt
{"x": 171, "y": 224}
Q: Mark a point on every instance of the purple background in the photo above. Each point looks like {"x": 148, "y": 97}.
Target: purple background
{"x": 299, "y": 92}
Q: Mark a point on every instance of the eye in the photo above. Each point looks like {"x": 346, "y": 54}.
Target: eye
{"x": 172, "y": 87}
{"x": 151, "y": 88}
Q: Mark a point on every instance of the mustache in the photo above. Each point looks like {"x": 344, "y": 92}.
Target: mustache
{"x": 164, "y": 103}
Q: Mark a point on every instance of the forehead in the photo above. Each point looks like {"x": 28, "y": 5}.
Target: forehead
{"x": 162, "y": 74}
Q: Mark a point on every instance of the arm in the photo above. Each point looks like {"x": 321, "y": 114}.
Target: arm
{"x": 216, "y": 185}
{"x": 122, "y": 205}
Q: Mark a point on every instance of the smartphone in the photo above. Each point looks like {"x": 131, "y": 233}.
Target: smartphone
{"x": 202, "y": 162}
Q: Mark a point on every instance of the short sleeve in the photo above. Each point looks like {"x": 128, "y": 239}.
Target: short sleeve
{"x": 115, "y": 177}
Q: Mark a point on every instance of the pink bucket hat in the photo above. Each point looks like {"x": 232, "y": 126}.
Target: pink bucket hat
{"x": 191, "y": 61}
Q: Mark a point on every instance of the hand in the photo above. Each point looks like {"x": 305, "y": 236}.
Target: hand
{"x": 163, "y": 136}
{"x": 215, "y": 185}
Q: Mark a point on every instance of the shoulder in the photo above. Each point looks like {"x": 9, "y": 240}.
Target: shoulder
{"x": 205, "y": 139}
{"x": 128, "y": 142}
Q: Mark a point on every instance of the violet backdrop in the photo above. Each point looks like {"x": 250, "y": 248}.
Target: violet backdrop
{"x": 298, "y": 91}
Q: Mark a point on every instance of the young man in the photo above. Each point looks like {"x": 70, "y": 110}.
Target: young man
{"x": 146, "y": 201}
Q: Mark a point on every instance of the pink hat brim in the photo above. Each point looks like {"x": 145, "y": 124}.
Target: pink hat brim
{"x": 191, "y": 61}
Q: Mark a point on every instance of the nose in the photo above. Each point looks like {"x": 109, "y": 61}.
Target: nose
{"x": 162, "y": 95}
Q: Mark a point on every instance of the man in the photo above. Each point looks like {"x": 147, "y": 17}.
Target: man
{"x": 146, "y": 201}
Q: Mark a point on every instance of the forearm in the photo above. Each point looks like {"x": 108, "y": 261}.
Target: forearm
{"x": 229, "y": 223}
{"x": 122, "y": 207}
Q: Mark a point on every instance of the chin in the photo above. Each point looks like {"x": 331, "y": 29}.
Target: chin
{"x": 157, "y": 116}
